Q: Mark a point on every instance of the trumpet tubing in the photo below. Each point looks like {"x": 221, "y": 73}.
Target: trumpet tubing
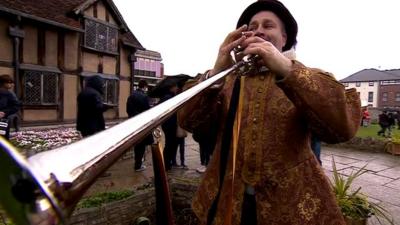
{"x": 45, "y": 188}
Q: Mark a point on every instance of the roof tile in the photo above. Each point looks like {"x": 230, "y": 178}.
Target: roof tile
{"x": 54, "y": 10}
{"x": 372, "y": 75}
{"x": 59, "y": 11}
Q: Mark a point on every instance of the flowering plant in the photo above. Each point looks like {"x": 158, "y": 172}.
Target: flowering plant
{"x": 45, "y": 139}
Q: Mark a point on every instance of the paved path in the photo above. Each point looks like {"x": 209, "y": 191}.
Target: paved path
{"x": 381, "y": 181}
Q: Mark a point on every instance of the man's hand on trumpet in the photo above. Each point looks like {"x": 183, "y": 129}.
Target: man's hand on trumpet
{"x": 252, "y": 42}
{"x": 271, "y": 57}
{"x": 224, "y": 59}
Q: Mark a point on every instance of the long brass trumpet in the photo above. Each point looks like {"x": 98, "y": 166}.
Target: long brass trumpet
{"x": 45, "y": 188}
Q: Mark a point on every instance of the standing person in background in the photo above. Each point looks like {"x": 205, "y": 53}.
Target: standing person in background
{"x": 169, "y": 128}
{"x": 365, "y": 118}
{"x": 397, "y": 116}
{"x": 166, "y": 89}
{"x": 392, "y": 123}
{"x": 206, "y": 138}
{"x": 263, "y": 170}
{"x": 383, "y": 123}
{"x": 181, "y": 134}
{"x": 137, "y": 103}
{"x": 9, "y": 103}
{"x": 90, "y": 119}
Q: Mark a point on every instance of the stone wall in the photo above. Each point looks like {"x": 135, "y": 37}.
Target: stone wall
{"x": 367, "y": 144}
{"x": 182, "y": 193}
{"x": 123, "y": 212}
{"x": 142, "y": 203}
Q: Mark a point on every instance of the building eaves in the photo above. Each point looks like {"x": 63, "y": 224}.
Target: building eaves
{"x": 130, "y": 40}
{"x": 127, "y": 37}
{"x": 53, "y": 12}
{"x": 65, "y": 14}
{"x": 86, "y": 4}
{"x": 393, "y": 71}
{"x": 149, "y": 53}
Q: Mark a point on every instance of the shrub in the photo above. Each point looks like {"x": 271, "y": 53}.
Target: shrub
{"x": 354, "y": 204}
{"x": 102, "y": 198}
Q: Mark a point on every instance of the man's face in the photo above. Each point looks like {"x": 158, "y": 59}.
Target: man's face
{"x": 269, "y": 27}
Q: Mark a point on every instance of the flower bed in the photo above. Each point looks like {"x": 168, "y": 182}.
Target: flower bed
{"x": 44, "y": 139}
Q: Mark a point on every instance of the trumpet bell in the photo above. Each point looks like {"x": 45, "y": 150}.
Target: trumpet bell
{"x": 25, "y": 197}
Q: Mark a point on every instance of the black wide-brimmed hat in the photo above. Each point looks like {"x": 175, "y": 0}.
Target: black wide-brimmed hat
{"x": 280, "y": 11}
{"x": 163, "y": 86}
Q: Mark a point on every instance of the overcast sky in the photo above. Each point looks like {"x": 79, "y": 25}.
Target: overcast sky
{"x": 339, "y": 36}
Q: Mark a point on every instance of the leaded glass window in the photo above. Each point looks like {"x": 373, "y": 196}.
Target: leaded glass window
{"x": 40, "y": 88}
{"x": 100, "y": 36}
{"x": 110, "y": 92}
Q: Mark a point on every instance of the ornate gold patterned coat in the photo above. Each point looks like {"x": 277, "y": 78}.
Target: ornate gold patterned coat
{"x": 270, "y": 147}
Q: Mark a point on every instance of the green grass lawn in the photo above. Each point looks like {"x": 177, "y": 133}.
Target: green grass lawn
{"x": 372, "y": 130}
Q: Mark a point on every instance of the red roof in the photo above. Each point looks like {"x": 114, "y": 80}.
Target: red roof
{"x": 62, "y": 12}
{"x": 53, "y": 10}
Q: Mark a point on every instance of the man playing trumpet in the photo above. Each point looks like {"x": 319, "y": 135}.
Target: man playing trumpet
{"x": 263, "y": 170}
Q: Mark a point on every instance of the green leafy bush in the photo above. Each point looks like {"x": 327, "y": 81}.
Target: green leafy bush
{"x": 395, "y": 139}
{"x": 102, "y": 198}
{"x": 354, "y": 204}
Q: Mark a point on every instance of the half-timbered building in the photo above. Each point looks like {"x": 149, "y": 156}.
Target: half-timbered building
{"x": 49, "y": 47}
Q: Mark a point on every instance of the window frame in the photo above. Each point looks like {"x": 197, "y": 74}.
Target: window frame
{"x": 397, "y": 97}
{"x": 370, "y": 96}
{"x": 145, "y": 73}
{"x": 108, "y": 26}
{"x": 106, "y": 78}
{"x": 42, "y": 85}
{"x": 384, "y": 96}
{"x": 105, "y": 92}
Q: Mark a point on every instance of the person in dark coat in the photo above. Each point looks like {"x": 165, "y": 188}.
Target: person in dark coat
{"x": 207, "y": 139}
{"x": 9, "y": 104}
{"x": 90, "y": 119}
{"x": 384, "y": 123}
{"x": 169, "y": 128}
{"x": 392, "y": 123}
{"x": 397, "y": 117}
{"x": 164, "y": 90}
{"x": 137, "y": 103}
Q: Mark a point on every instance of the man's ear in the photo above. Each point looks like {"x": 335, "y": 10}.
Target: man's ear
{"x": 284, "y": 37}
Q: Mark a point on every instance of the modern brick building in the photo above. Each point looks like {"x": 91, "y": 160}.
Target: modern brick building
{"x": 380, "y": 88}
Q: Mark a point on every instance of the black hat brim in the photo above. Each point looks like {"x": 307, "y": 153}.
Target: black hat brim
{"x": 163, "y": 86}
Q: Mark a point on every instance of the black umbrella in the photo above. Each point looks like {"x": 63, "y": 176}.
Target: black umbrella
{"x": 163, "y": 86}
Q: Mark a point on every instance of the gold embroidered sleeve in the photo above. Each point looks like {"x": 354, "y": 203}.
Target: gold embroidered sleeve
{"x": 201, "y": 110}
{"x": 332, "y": 112}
